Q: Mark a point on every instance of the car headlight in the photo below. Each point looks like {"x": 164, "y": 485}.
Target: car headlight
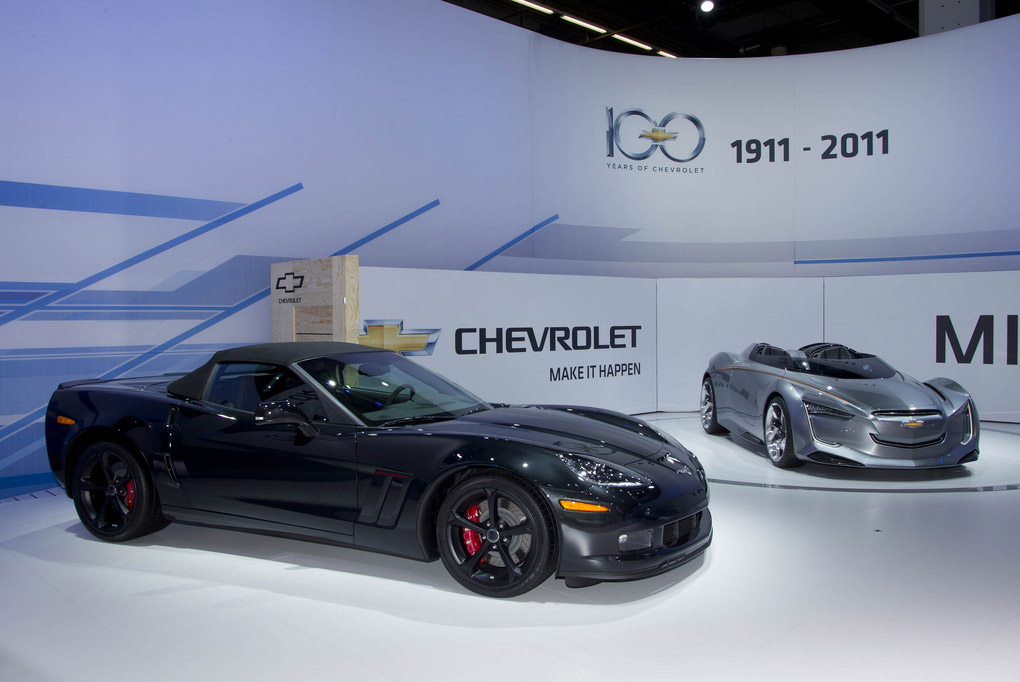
{"x": 816, "y": 410}
{"x": 598, "y": 472}
{"x": 968, "y": 425}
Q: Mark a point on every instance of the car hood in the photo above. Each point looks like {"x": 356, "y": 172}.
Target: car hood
{"x": 555, "y": 430}
{"x": 895, "y": 393}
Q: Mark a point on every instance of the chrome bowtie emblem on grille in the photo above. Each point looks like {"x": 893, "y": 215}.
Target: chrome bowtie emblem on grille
{"x": 912, "y": 423}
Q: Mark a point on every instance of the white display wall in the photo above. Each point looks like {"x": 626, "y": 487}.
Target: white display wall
{"x": 698, "y": 318}
{"x": 896, "y": 317}
{"x": 526, "y": 338}
{"x": 157, "y": 157}
{"x": 899, "y": 158}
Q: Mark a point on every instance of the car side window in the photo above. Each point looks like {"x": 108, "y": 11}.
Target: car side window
{"x": 243, "y": 385}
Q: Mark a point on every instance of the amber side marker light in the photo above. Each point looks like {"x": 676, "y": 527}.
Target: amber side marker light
{"x": 61, "y": 419}
{"x": 574, "y": 505}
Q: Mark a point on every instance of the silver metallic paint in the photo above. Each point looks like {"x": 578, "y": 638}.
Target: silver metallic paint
{"x": 744, "y": 387}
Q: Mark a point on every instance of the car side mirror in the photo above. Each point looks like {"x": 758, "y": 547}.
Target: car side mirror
{"x": 283, "y": 412}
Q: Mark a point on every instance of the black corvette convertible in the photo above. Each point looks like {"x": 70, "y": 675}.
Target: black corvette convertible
{"x": 361, "y": 447}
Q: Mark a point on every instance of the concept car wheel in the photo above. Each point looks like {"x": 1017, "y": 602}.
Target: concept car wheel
{"x": 709, "y": 417}
{"x": 114, "y": 495}
{"x": 495, "y": 537}
{"x": 778, "y": 435}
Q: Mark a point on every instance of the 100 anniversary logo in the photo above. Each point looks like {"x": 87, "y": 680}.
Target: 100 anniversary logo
{"x": 637, "y": 136}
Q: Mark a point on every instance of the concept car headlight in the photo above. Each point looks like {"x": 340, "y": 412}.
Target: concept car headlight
{"x": 602, "y": 473}
{"x": 968, "y": 424}
{"x": 816, "y": 410}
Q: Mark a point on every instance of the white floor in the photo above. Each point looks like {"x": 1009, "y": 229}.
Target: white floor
{"x": 815, "y": 574}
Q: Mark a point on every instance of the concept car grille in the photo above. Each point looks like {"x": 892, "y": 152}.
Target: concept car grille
{"x": 906, "y": 413}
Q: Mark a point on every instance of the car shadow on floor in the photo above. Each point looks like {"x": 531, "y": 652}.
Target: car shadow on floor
{"x": 338, "y": 574}
{"x": 858, "y": 474}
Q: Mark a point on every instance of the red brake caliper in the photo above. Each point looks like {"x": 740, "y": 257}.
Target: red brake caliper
{"x": 472, "y": 540}
{"x": 129, "y": 498}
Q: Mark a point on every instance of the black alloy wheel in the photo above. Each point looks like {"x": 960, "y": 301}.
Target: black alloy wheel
{"x": 495, "y": 537}
{"x": 114, "y": 495}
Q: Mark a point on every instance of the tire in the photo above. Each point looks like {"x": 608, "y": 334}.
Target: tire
{"x": 778, "y": 436}
{"x": 114, "y": 495}
{"x": 708, "y": 408}
{"x": 507, "y": 560}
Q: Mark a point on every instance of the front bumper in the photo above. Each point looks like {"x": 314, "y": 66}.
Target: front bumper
{"x": 594, "y": 554}
{"x": 886, "y": 442}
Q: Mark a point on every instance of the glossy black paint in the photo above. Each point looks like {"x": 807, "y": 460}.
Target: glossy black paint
{"x": 379, "y": 488}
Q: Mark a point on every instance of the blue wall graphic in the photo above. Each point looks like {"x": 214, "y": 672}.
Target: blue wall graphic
{"x": 29, "y": 375}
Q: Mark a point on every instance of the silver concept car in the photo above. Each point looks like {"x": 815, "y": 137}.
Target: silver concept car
{"x": 830, "y": 404}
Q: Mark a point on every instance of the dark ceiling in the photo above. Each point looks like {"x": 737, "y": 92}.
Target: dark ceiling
{"x": 735, "y": 28}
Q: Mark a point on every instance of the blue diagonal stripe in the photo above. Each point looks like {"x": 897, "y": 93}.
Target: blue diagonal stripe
{"x": 891, "y": 259}
{"x": 180, "y": 338}
{"x": 145, "y": 255}
{"x": 141, "y": 358}
{"x": 34, "y": 286}
{"x": 482, "y": 261}
{"x": 183, "y": 336}
{"x": 83, "y": 199}
{"x": 21, "y": 423}
{"x": 383, "y": 230}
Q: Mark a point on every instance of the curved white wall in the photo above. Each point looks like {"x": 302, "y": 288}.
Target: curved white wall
{"x": 155, "y": 157}
{"x": 938, "y": 114}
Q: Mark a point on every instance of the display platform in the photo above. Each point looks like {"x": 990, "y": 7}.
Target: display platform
{"x": 734, "y": 460}
{"x": 805, "y": 580}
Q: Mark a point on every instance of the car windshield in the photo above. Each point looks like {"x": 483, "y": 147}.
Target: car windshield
{"x": 386, "y": 388}
{"x": 860, "y": 368}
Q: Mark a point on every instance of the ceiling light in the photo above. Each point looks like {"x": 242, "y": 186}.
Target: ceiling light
{"x": 585, "y": 24}
{"x": 706, "y": 6}
{"x": 532, "y": 5}
{"x": 629, "y": 41}
{"x": 666, "y": 54}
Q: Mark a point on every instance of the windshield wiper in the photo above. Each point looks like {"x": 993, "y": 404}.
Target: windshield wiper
{"x": 420, "y": 419}
{"x": 473, "y": 410}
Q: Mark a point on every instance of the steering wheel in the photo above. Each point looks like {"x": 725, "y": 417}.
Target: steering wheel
{"x": 396, "y": 392}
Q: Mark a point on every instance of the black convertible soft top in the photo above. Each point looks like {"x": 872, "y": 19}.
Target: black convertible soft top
{"x": 192, "y": 385}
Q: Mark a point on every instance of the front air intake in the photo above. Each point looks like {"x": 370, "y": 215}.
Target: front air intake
{"x": 679, "y": 532}
{"x": 826, "y": 458}
{"x": 924, "y": 444}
